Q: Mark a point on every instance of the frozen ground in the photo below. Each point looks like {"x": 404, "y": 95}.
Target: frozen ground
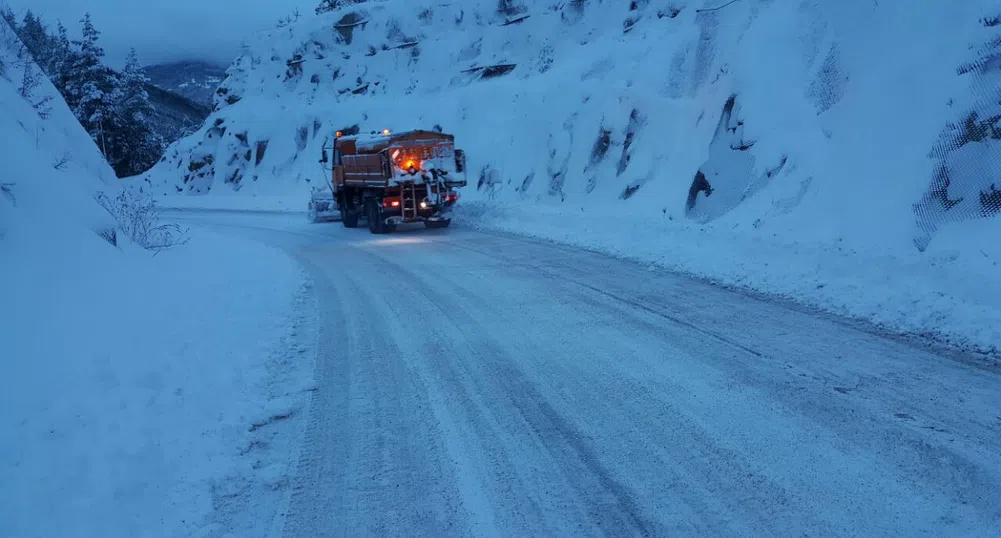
{"x": 471, "y": 383}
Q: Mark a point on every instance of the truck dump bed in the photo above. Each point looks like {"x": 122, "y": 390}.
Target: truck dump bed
{"x": 389, "y": 159}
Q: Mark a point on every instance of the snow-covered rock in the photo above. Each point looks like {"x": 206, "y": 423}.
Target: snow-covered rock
{"x": 829, "y": 125}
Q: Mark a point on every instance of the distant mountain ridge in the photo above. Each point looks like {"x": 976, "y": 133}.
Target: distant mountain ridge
{"x": 177, "y": 115}
{"x": 194, "y": 79}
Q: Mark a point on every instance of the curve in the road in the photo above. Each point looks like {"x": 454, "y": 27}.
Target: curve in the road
{"x": 476, "y": 384}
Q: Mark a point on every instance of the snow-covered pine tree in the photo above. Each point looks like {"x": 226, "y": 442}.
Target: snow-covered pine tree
{"x": 61, "y": 58}
{"x": 8, "y": 15}
{"x": 137, "y": 145}
{"x": 89, "y": 85}
{"x": 35, "y": 36}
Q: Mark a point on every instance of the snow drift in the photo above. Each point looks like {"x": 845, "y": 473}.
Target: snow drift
{"x": 128, "y": 382}
{"x": 864, "y": 127}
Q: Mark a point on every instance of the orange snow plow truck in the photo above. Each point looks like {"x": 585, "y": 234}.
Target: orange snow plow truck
{"x": 391, "y": 178}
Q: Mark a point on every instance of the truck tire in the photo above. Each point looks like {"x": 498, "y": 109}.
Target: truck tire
{"x": 349, "y": 219}
{"x": 374, "y": 214}
{"x": 437, "y": 223}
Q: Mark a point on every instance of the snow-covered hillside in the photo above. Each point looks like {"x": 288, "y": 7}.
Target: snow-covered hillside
{"x": 129, "y": 387}
{"x": 194, "y": 79}
{"x": 852, "y": 148}
{"x": 50, "y": 162}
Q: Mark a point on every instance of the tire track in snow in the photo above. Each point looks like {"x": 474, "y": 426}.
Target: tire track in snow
{"x": 370, "y": 464}
{"x": 618, "y": 514}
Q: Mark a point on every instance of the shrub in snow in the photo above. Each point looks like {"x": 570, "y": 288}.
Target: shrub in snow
{"x": 327, "y": 6}
{"x": 510, "y": 8}
{"x": 139, "y": 219}
{"x": 7, "y": 190}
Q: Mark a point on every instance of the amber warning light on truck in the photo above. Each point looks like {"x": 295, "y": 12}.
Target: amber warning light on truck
{"x": 405, "y": 162}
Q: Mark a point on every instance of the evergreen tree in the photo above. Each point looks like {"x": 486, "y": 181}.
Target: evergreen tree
{"x": 9, "y": 17}
{"x": 115, "y": 109}
{"x": 89, "y": 85}
{"x": 61, "y": 58}
{"x": 137, "y": 146}
{"x": 34, "y": 36}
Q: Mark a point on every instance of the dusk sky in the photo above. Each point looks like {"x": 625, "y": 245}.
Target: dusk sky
{"x": 171, "y": 30}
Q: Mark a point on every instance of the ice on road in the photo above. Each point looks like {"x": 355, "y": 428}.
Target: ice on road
{"x": 476, "y": 384}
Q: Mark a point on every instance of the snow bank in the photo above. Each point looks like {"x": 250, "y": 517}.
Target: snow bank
{"x": 131, "y": 382}
{"x": 827, "y": 127}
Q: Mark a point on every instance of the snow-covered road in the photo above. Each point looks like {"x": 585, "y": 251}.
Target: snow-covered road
{"x": 480, "y": 384}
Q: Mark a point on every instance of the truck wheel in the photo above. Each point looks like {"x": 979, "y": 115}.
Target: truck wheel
{"x": 437, "y": 223}
{"x": 374, "y": 213}
{"x": 349, "y": 219}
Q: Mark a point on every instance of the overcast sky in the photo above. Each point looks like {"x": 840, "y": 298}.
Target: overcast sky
{"x": 167, "y": 30}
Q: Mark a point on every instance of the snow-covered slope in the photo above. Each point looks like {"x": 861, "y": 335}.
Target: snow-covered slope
{"x": 860, "y": 127}
{"x": 48, "y": 163}
{"x": 129, "y": 385}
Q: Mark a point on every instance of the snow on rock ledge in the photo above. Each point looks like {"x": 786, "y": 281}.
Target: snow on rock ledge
{"x": 863, "y": 127}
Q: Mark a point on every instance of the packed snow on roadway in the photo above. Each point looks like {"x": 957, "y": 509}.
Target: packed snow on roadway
{"x": 850, "y": 148}
{"x": 152, "y": 374}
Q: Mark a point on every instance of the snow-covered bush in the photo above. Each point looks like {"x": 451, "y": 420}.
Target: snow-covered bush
{"x": 327, "y": 6}
{"x": 138, "y": 218}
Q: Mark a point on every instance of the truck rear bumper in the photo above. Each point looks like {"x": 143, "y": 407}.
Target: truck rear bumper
{"x": 432, "y": 215}
{"x": 401, "y": 220}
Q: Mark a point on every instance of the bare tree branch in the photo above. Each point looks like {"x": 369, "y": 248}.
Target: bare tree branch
{"x": 8, "y": 191}
{"x": 62, "y": 161}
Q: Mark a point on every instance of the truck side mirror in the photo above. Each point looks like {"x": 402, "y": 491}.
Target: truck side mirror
{"x": 324, "y": 158}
